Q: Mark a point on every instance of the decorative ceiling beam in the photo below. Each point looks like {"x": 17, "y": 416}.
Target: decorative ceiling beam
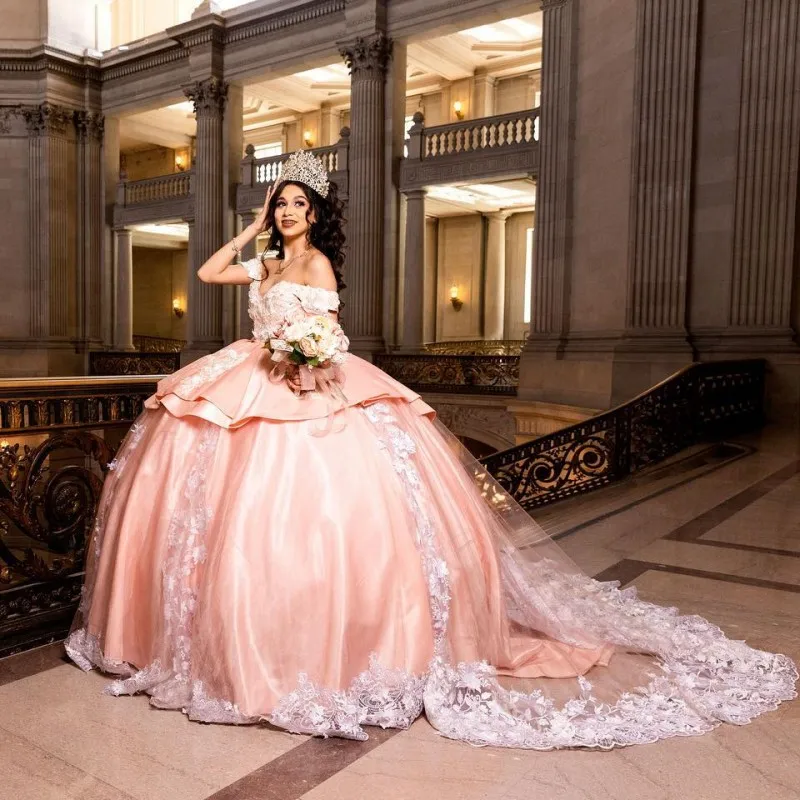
{"x": 442, "y": 58}
{"x": 147, "y": 133}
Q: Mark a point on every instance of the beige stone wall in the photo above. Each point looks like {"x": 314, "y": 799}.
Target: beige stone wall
{"x": 516, "y": 241}
{"x": 159, "y": 276}
{"x": 513, "y": 94}
{"x": 150, "y": 163}
{"x": 22, "y": 23}
{"x": 460, "y": 257}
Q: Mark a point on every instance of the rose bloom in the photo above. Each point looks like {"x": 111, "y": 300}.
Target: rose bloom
{"x": 309, "y": 347}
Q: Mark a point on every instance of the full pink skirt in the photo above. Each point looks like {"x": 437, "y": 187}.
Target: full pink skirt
{"x": 259, "y": 556}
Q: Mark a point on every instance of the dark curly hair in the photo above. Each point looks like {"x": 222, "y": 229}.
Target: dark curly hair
{"x": 325, "y": 233}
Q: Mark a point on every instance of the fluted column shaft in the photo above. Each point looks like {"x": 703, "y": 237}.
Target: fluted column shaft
{"x": 667, "y": 37}
{"x": 552, "y": 252}
{"x": 494, "y": 286}
{"x": 91, "y": 210}
{"x": 123, "y": 300}
{"x": 244, "y": 325}
{"x": 204, "y": 328}
{"x": 414, "y": 289}
{"x": 51, "y": 178}
{"x": 766, "y": 214}
{"x": 368, "y": 60}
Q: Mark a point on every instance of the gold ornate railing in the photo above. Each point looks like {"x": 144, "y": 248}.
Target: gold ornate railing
{"x": 484, "y": 347}
{"x": 157, "y": 344}
{"x": 702, "y": 402}
{"x": 57, "y": 437}
{"x": 46, "y": 404}
{"x": 465, "y": 374}
{"x": 106, "y": 362}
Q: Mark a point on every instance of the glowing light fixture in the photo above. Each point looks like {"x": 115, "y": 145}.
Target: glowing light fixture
{"x": 308, "y": 139}
{"x": 177, "y": 308}
{"x": 458, "y": 108}
{"x": 455, "y": 299}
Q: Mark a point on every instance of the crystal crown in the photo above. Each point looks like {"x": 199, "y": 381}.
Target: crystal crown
{"x": 304, "y": 167}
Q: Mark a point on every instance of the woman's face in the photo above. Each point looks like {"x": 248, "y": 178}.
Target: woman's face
{"x": 292, "y": 213}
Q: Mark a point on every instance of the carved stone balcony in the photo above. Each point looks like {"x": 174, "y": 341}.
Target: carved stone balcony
{"x": 258, "y": 173}
{"x": 503, "y": 146}
{"x": 154, "y": 199}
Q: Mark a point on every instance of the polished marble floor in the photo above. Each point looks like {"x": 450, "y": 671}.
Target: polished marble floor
{"x": 723, "y": 541}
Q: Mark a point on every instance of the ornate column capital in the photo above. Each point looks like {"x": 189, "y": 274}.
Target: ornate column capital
{"x": 46, "y": 118}
{"x": 89, "y": 125}
{"x": 368, "y": 56}
{"x": 209, "y": 96}
{"x": 548, "y": 4}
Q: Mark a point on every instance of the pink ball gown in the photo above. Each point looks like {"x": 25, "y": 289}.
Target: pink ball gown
{"x": 248, "y": 565}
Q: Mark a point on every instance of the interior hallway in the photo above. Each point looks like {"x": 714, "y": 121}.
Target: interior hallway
{"x": 716, "y": 533}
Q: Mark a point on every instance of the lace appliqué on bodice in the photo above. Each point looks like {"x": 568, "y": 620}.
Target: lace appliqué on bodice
{"x": 282, "y": 301}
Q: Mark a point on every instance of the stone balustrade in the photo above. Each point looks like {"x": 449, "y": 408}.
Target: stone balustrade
{"x": 506, "y": 145}
{"x": 154, "y": 199}
{"x": 258, "y": 173}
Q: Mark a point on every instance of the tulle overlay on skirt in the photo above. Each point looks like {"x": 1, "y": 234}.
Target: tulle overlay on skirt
{"x": 245, "y": 568}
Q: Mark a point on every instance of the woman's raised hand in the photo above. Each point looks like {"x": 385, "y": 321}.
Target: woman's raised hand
{"x": 261, "y": 220}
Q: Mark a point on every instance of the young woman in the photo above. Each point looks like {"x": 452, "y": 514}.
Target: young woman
{"x": 287, "y": 535}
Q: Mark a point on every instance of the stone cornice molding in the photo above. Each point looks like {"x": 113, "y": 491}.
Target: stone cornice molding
{"x": 52, "y": 60}
{"x": 46, "y": 118}
{"x": 89, "y": 125}
{"x": 209, "y": 96}
{"x": 368, "y": 56}
{"x": 311, "y": 12}
{"x": 548, "y": 4}
{"x": 168, "y": 54}
{"x": 205, "y": 30}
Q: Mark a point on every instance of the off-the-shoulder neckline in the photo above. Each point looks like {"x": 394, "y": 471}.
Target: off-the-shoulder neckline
{"x": 296, "y": 283}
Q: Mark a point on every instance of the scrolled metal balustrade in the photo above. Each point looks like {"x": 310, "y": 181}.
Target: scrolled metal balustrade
{"x": 57, "y": 437}
{"x": 702, "y": 402}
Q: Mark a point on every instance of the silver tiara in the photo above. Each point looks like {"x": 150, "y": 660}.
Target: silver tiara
{"x": 306, "y": 168}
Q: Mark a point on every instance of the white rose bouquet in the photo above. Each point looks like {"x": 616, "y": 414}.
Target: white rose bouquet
{"x": 308, "y": 353}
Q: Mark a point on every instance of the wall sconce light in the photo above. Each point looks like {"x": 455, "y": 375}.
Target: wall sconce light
{"x": 180, "y": 163}
{"x": 177, "y": 309}
{"x": 458, "y": 108}
{"x": 308, "y": 139}
{"x": 455, "y": 299}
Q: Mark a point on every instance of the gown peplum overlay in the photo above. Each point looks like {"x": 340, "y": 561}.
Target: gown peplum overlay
{"x": 251, "y": 562}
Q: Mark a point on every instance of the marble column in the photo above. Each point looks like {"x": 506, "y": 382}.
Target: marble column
{"x": 123, "y": 294}
{"x": 368, "y": 59}
{"x": 91, "y": 210}
{"x": 205, "y": 306}
{"x": 413, "y": 334}
{"x": 51, "y": 161}
{"x": 554, "y": 205}
{"x": 494, "y": 286}
{"x": 667, "y": 41}
{"x": 244, "y": 325}
{"x": 766, "y": 232}
{"x": 111, "y": 177}
{"x": 233, "y": 149}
